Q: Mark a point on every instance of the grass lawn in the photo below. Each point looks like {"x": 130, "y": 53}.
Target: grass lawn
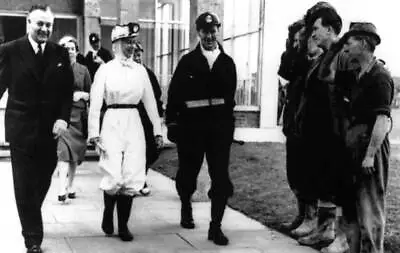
{"x": 262, "y": 192}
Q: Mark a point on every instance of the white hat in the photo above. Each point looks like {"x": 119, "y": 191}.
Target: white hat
{"x": 124, "y": 31}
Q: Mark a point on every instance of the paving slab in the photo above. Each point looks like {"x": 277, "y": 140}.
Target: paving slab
{"x": 74, "y": 226}
{"x": 168, "y": 243}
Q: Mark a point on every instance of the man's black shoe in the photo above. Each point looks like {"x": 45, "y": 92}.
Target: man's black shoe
{"x": 34, "y": 249}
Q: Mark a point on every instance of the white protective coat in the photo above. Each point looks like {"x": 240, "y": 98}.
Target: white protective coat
{"x": 122, "y": 81}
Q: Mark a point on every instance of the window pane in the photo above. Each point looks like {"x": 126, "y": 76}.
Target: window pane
{"x": 241, "y": 19}
{"x": 228, "y": 18}
{"x": 63, "y": 27}
{"x": 255, "y": 14}
{"x": 12, "y": 28}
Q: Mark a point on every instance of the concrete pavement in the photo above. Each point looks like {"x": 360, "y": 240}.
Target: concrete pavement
{"x": 75, "y": 225}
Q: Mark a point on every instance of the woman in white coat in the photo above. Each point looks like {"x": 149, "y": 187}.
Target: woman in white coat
{"x": 122, "y": 84}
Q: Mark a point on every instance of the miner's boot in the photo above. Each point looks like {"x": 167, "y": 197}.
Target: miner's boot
{"x": 325, "y": 233}
{"x": 299, "y": 218}
{"x": 107, "y": 223}
{"x": 310, "y": 221}
{"x": 215, "y": 233}
{"x": 124, "y": 206}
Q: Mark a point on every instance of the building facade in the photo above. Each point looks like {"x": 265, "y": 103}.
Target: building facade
{"x": 168, "y": 32}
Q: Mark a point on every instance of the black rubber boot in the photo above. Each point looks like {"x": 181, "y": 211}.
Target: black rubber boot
{"x": 187, "y": 215}
{"x": 107, "y": 223}
{"x": 124, "y": 206}
{"x": 215, "y": 233}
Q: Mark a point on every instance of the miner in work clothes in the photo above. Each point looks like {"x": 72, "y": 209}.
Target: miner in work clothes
{"x": 200, "y": 121}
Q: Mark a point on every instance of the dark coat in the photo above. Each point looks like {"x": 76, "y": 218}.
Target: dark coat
{"x": 151, "y": 147}
{"x": 92, "y": 66}
{"x": 193, "y": 80}
{"x": 35, "y": 102}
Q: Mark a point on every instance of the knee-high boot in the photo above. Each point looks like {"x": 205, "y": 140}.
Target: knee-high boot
{"x": 186, "y": 214}
{"x": 215, "y": 233}
{"x": 108, "y": 215}
{"x": 124, "y": 206}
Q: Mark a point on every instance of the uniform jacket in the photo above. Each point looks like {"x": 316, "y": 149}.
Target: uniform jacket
{"x": 193, "y": 81}
{"x": 35, "y": 102}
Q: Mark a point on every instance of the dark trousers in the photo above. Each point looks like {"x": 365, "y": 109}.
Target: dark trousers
{"x": 326, "y": 158}
{"x": 212, "y": 139}
{"x": 299, "y": 174}
{"x": 32, "y": 177}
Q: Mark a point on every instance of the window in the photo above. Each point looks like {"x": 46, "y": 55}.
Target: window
{"x": 241, "y": 33}
{"x": 171, "y": 38}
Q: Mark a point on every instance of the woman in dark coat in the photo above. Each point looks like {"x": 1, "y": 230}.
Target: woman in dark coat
{"x": 72, "y": 145}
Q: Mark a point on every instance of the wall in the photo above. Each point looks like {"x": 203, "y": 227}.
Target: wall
{"x": 60, "y": 6}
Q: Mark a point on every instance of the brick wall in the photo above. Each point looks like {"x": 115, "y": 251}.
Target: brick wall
{"x": 247, "y": 119}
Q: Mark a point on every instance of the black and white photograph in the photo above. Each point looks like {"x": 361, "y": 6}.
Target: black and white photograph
{"x": 178, "y": 126}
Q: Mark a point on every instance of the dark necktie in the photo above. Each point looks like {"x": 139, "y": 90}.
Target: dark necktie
{"x": 40, "y": 50}
{"x": 40, "y": 60}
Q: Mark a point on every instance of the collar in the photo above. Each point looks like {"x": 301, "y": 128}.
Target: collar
{"x": 368, "y": 68}
{"x": 125, "y": 61}
{"x": 34, "y": 44}
{"x": 208, "y": 52}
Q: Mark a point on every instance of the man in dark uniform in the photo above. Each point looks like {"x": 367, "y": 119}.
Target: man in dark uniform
{"x": 97, "y": 56}
{"x": 200, "y": 121}
{"x": 152, "y": 152}
{"x": 39, "y": 79}
{"x": 368, "y": 91}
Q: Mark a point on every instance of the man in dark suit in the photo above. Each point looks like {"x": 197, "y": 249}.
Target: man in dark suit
{"x": 39, "y": 80}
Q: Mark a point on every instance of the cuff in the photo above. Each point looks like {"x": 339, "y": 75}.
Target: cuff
{"x": 62, "y": 122}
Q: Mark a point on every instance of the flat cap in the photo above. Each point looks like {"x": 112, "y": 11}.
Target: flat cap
{"x": 207, "y": 20}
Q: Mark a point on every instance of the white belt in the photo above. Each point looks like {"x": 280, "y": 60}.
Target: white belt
{"x": 204, "y": 102}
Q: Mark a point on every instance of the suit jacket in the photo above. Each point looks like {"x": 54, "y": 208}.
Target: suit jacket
{"x": 35, "y": 101}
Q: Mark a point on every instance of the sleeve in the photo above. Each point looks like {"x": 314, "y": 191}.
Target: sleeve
{"x": 87, "y": 81}
{"x": 96, "y": 101}
{"x": 285, "y": 66}
{"x": 68, "y": 88}
{"x": 233, "y": 84}
{"x": 4, "y": 70}
{"x": 174, "y": 102}
{"x": 149, "y": 103}
{"x": 157, "y": 91}
{"x": 382, "y": 95}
